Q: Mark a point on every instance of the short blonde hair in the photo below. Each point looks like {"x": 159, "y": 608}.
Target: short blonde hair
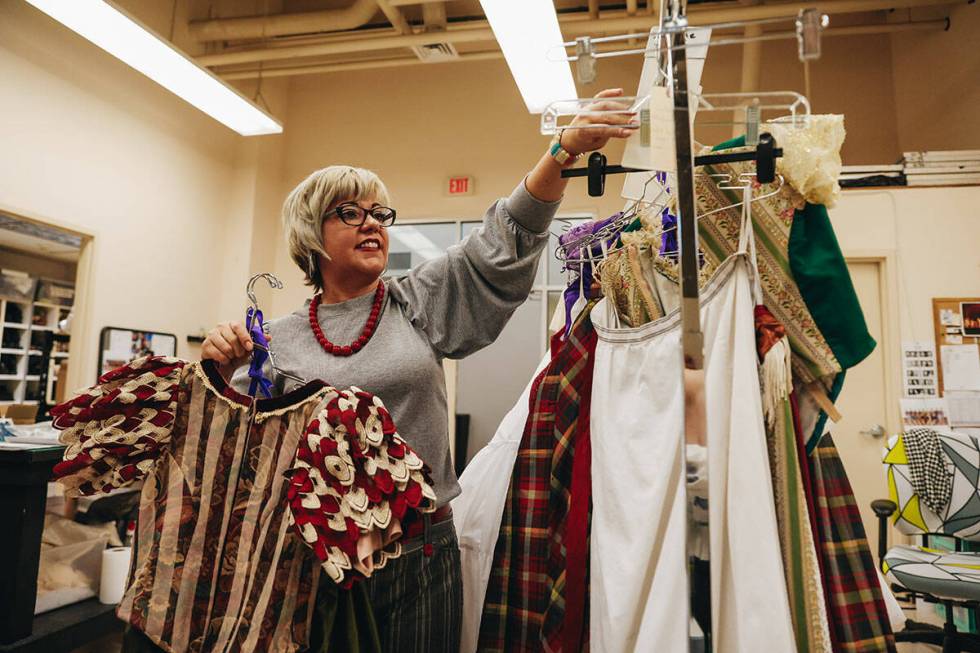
{"x": 306, "y": 206}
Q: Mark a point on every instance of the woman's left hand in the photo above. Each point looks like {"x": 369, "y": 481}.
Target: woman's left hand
{"x": 576, "y": 140}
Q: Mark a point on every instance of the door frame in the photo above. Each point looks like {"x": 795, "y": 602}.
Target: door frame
{"x": 81, "y": 350}
{"x": 885, "y": 261}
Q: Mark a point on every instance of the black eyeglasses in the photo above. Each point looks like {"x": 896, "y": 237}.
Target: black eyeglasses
{"x": 355, "y": 216}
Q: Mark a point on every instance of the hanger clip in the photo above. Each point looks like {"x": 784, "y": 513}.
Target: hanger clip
{"x": 765, "y": 159}
{"x": 597, "y": 174}
{"x": 810, "y": 24}
{"x": 585, "y": 60}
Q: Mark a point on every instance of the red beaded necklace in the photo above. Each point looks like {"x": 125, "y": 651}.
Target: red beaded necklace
{"x": 369, "y": 327}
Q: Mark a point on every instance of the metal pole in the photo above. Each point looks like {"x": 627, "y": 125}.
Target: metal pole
{"x": 692, "y": 339}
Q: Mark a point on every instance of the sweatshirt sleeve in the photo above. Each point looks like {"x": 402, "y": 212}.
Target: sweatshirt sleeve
{"x": 463, "y": 299}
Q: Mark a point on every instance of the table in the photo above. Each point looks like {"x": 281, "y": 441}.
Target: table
{"x": 67, "y": 628}
{"x": 24, "y": 475}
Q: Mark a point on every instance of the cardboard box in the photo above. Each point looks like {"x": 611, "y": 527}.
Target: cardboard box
{"x": 19, "y": 413}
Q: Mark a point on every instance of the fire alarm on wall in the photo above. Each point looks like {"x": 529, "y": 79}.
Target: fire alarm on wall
{"x": 460, "y": 185}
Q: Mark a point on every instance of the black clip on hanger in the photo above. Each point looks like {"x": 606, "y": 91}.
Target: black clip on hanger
{"x": 765, "y": 156}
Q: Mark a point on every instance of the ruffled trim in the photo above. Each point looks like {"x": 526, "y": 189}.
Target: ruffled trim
{"x": 811, "y": 161}
{"x": 353, "y": 474}
{"x": 202, "y": 376}
{"x": 116, "y": 430}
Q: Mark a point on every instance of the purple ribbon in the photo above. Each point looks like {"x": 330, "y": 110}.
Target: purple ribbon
{"x": 583, "y": 269}
{"x": 260, "y": 354}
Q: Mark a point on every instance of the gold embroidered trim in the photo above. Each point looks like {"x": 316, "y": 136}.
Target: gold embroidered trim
{"x": 199, "y": 373}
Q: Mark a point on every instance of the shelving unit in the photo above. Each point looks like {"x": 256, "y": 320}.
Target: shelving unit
{"x": 22, "y": 328}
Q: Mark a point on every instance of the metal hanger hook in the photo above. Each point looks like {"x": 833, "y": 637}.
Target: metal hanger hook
{"x": 249, "y": 289}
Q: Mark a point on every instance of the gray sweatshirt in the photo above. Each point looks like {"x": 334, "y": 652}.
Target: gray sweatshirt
{"x": 447, "y": 307}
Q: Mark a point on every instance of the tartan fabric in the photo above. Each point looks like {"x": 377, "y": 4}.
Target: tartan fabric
{"x": 527, "y": 577}
{"x": 571, "y": 485}
{"x": 859, "y": 614}
{"x": 796, "y": 537}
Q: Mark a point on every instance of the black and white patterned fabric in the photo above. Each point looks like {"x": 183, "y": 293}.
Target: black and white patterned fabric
{"x": 931, "y": 476}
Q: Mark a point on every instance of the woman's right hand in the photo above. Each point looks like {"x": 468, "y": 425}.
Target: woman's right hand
{"x": 229, "y": 345}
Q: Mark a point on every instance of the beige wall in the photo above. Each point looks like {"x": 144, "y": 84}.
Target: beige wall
{"x": 416, "y": 131}
{"x": 933, "y": 235}
{"x": 937, "y": 84}
{"x": 183, "y": 209}
{"x": 91, "y": 144}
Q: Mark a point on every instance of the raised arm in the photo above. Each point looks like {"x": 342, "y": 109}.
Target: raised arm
{"x": 462, "y": 300}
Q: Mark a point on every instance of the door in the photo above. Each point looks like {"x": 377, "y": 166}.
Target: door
{"x": 860, "y": 436}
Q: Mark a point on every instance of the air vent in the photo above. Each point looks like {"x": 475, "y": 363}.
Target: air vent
{"x": 436, "y": 52}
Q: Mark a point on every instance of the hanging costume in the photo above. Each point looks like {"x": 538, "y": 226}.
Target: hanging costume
{"x": 235, "y": 494}
{"x": 638, "y": 552}
{"x": 528, "y": 562}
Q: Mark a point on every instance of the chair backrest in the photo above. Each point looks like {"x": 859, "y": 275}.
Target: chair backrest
{"x": 961, "y": 517}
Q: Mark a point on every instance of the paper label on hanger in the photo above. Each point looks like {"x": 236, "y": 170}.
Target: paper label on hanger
{"x": 663, "y": 152}
{"x": 637, "y": 152}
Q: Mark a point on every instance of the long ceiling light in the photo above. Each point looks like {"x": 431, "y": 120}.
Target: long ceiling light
{"x": 526, "y": 31}
{"x": 124, "y": 38}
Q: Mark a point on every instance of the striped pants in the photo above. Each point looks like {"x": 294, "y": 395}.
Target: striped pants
{"x": 417, "y": 599}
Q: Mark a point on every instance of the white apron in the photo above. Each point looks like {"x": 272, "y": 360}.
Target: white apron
{"x": 638, "y": 585}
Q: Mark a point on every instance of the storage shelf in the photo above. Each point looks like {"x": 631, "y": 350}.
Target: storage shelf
{"x": 19, "y": 317}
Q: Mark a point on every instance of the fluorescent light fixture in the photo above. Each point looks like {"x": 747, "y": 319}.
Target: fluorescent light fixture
{"x": 124, "y": 38}
{"x": 526, "y": 31}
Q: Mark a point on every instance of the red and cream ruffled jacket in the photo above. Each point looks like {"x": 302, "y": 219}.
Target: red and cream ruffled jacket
{"x": 243, "y": 501}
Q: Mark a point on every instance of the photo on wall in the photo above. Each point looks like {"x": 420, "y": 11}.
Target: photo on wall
{"x": 971, "y": 318}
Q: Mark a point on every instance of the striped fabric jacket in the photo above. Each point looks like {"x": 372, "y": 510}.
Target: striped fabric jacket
{"x": 243, "y": 501}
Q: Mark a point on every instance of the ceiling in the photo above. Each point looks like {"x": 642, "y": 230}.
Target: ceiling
{"x": 265, "y": 38}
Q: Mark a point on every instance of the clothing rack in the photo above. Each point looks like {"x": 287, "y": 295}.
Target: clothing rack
{"x": 765, "y": 156}
{"x": 673, "y": 23}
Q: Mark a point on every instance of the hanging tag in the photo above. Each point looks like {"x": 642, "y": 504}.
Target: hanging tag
{"x": 752, "y": 115}
{"x": 663, "y": 154}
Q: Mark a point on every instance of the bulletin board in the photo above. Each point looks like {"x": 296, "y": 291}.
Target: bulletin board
{"x": 953, "y": 322}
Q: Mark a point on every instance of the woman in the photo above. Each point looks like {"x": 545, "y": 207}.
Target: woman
{"x": 389, "y": 337}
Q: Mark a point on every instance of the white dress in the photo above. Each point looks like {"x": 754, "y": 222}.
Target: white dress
{"x": 638, "y": 586}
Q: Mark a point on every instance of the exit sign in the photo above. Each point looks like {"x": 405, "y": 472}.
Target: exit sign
{"x": 461, "y": 185}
